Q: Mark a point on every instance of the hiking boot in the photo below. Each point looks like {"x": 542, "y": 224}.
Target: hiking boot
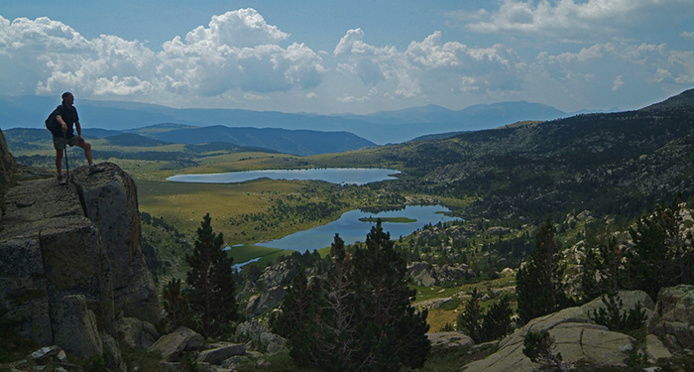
{"x": 61, "y": 179}
{"x": 95, "y": 169}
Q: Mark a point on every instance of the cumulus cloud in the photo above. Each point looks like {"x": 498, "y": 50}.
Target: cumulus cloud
{"x": 238, "y": 50}
{"x": 566, "y": 18}
{"x": 237, "y": 57}
{"x": 426, "y": 66}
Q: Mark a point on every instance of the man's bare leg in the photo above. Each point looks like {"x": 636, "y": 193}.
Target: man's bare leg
{"x": 87, "y": 151}
{"x": 59, "y": 160}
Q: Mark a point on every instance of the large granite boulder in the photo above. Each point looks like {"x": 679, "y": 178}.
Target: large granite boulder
{"x": 575, "y": 336}
{"x": 70, "y": 260}
{"x": 109, "y": 200}
{"x": 449, "y": 339}
{"x": 49, "y": 250}
{"x": 221, "y": 351}
{"x": 265, "y": 301}
{"x": 673, "y": 318}
{"x": 172, "y": 346}
{"x": 426, "y": 274}
{"x": 7, "y": 162}
{"x": 75, "y": 327}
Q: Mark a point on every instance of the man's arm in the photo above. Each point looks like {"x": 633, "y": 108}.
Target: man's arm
{"x": 62, "y": 123}
{"x": 78, "y": 127}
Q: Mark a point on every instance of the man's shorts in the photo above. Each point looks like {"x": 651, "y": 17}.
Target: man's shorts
{"x": 60, "y": 143}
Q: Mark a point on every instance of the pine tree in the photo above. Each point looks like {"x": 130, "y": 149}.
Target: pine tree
{"x": 470, "y": 320}
{"x": 211, "y": 280}
{"x": 497, "y": 320}
{"x": 358, "y": 315}
{"x": 339, "y": 317}
{"x": 392, "y": 334}
{"x": 175, "y": 305}
{"x": 660, "y": 257}
{"x": 298, "y": 321}
{"x": 538, "y": 282}
{"x": 319, "y": 318}
{"x": 539, "y": 348}
{"x": 602, "y": 270}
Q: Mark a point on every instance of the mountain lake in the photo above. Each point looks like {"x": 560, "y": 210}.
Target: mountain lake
{"x": 342, "y": 176}
{"x": 352, "y": 226}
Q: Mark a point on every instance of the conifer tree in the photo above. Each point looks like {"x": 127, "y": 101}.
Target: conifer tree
{"x": 492, "y": 325}
{"x": 175, "y": 305}
{"x": 392, "y": 334}
{"x": 538, "y": 282}
{"x": 470, "y": 320}
{"x": 539, "y": 347}
{"x": 660, "y": 256}
{"x": 497, "y": 320}
{"x": 211, "y": 280}
{"x": 602, "y": 270}
{"x": 319, "y": 318}
{"x": 339, "y": 316}
{"x": 358, "y": 315}
{"x": 298, "y": 321}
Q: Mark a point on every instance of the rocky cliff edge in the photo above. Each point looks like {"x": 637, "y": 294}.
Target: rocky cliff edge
{"x": 72, "y": 272}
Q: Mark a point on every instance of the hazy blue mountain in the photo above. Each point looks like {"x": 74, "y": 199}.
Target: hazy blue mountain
{"x": 381, "y": 127}
{"x": 486, "y": 116}
{"x": 298, "y": 142}
{"x": 132, "y": 139}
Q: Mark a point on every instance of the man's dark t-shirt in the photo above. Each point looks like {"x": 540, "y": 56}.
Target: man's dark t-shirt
{"x": 69, "y": 115}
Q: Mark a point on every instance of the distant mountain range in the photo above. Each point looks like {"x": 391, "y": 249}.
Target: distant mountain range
{"x": 380, "y": 128}
{"x": 609, "y": 163}
{"x": 296, "y": 142}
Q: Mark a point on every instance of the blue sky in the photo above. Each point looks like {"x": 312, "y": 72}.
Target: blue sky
{"x": 357, "y": 56}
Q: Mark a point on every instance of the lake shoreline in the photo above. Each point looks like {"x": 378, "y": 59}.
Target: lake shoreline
{"x": 341, "y": 176}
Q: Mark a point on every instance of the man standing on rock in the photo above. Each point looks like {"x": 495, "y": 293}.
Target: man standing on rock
{"x": 63, "y": 135}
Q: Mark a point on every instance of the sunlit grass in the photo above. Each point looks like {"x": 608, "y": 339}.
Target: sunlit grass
{"x": 448, "y": 313}
{"x": 184, "y": 204}
{"x": 246, "y": 252}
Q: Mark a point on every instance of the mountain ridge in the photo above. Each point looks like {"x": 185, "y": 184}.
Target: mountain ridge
{"x": 605, "y": 162}
{"x": 23, "y": 112}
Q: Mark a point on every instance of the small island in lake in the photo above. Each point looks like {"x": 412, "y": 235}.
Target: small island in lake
{"x": 388, "y": 219}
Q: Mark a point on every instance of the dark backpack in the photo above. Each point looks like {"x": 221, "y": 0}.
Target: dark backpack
{"x": 51, "y": 123}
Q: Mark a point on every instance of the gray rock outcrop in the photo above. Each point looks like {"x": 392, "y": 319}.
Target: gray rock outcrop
{"x": 426, "y": 274}
{"x": 673, "y": 319}
{"x": 220, "y": 352}
{"x": 7, "y": 162}
{"x": 70, "y": 258}
{"x": 265, "y": 301}
{"x": 449, "y": 339}
{"x": 172, "y": 346}
{"x": 576, "y": 338}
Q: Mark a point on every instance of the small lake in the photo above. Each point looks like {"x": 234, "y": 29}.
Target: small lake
{"x": 351, "y": 229}
{"x": 342, "y": 176}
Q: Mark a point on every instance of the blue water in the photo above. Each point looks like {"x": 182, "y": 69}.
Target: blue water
{"x": 355, "y": 176}
{"x": 352, "y": 230}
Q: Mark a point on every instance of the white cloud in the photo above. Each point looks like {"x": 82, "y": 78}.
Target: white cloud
{"x": 238, "y": 51}
{"x": 570, "y": 19}
{"x": 683, "y": 63}
{"x": 238, "y": 58}
{"x": 588, "y": 77}
{"x": 240, "y": 28}
{"x": 426, "y": 67}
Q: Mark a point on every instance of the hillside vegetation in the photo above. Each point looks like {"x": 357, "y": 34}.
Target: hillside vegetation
{"x": 619, "y": 163}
